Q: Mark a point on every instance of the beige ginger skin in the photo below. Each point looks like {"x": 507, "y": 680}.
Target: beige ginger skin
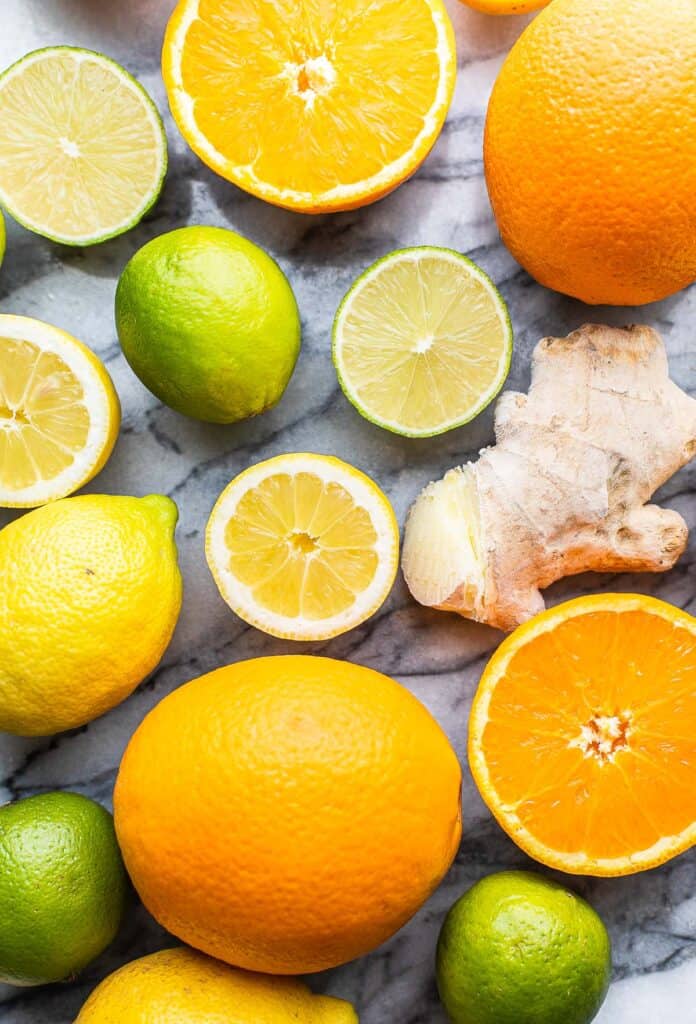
{"x": 565, "y": 488}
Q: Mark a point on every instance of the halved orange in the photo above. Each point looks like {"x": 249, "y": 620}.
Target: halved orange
{"x": 582, "y": 737}
{"x": 314, "y": 105}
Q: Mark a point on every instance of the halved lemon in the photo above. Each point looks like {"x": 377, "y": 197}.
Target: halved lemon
{"x": 83, "y": 152}
{"x": 422, "y": 342}
{"x": 59, "y": 413}
{"x": 303, "y": 546}
{"x": 314, "y": 105}
{"x": 581, "y": 736}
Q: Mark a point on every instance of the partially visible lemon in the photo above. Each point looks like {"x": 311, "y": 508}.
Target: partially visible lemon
{"x": 90, "y": 596}
{"x": 422, "y": 342}
{"x": 59, "y": 413}
{"x": 181, "y": 986}
{"x": 83, "y": 151}
{"x": 303, "y": 546}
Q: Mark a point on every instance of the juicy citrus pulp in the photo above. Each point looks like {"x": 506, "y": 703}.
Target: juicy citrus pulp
{"x": 62, "y": 887}
{"x": 581, "y": 734}
{"x": 186, "y": 987}
{"x": 357, "y": 101}
{"x": 520, "y": 949}
{"x": 422, "y": 341}
{"x": 303, "y": 546}
{"x": 59, "y": 413}
{"x": 82, "y": 148}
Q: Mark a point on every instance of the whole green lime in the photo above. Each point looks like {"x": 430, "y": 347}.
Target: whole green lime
{"x": 519, "y": 949}
{"x": 63, "y": 887}
{"x": 209, "y": 323}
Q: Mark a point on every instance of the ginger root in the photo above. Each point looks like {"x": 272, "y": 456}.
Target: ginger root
{"x": 565, "y": 487}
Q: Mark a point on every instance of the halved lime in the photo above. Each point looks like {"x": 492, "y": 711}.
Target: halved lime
{"x": 422, "y": 341}
{"x": 83, "y": 151}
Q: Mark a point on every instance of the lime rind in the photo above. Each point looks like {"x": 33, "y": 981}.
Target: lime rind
{"x": 520, "y": 947}
{"x": 159, "y": 131}
{"x": 472, "y": 411}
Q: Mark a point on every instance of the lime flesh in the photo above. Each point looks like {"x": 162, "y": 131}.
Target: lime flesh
{"x": 83, "y": 151}
{"x": 520, "y": 949}
{"x": 422, "y": 342}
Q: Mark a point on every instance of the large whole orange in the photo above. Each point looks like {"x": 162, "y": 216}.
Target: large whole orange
{"x": 590, "y": 149}
{"x": 288, "y": 814}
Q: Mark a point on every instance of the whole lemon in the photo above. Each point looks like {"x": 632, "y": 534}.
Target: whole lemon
{"x": 181, "y": 986}
{"x": 520, "y": 949}
{"x": 62, "y": 887}
{"x": 90, "y": 596}
{"x": 288, "y": 814}
{"x": 590, "y": 149}
{"x": 209, "y": 323}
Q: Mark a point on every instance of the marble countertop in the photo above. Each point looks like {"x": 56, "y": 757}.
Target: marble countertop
{"x": 652, "y": 916}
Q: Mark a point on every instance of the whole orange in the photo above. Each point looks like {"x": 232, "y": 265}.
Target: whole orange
{"x": 288, "y": 814}
{"x": 590, "y": 149}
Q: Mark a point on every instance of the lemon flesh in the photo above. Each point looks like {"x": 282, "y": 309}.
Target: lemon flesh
{"x": 422, "y": 341}
{"x": 303, "y": 546}
{"x": 59, "y": 413}
{"x": 83, "y": 152}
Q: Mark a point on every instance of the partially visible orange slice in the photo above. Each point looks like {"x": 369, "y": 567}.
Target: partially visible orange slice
{"x": 314, "y": 105}
{"x": 582, "y": 737}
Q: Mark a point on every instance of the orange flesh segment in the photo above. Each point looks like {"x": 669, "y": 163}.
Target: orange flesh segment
{"x": 350, "y": 86}
{"x": 591, "y": 734}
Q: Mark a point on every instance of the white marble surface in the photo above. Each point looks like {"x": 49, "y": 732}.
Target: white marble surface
{"x": 652, "y": 917}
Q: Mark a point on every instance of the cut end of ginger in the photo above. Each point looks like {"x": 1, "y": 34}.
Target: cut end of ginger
{"x": 566, "y": 487}
{"x": 442, "y": 558}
